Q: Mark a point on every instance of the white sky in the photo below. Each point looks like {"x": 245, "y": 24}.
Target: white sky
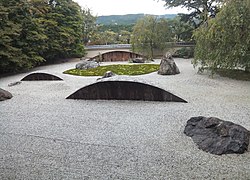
{"x": 121, "y": 7}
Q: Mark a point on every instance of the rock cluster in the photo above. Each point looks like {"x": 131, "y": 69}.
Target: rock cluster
{"x": 216, "y": 136}
{"x": 85, "y": 64}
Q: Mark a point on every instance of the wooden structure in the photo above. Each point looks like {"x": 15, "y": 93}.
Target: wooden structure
{"x": 114, "y": 56}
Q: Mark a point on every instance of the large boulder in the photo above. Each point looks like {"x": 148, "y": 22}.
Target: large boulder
{"x": 4, "y": 95}
{"x": 87, "y": 64}
{"x": 216, "y": 136}
{"x": 168, "y": 66}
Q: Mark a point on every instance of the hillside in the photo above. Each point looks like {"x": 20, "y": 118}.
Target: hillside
{"x": 126, "y": 19}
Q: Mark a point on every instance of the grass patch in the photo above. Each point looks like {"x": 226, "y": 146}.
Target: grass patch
{"x": 120, "y": 69}
{"x": 234, "y": 74}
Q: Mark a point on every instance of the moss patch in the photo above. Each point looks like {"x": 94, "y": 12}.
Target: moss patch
{"x": 234, "y": 74}
{"x": 120, "y": 69}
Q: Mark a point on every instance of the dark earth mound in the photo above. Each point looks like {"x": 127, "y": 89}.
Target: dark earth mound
{"x": 124, "y": 90}
{"x": 41, "y": 77}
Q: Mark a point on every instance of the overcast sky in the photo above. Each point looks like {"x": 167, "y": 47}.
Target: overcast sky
{"x": 121, "y": 7}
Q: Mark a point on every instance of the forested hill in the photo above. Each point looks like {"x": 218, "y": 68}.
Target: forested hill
{"x": 126, "y": 19}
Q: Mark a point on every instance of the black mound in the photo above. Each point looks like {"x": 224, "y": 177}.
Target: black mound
{"x": 41, "y": 77}
{"x": 124, "y": 90}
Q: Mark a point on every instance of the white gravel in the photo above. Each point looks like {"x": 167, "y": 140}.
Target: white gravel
{"x": 45, "y": 136}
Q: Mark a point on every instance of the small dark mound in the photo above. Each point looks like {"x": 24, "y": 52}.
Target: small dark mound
{"x": 124, "y": 90}
{"x": 41, "y": 77}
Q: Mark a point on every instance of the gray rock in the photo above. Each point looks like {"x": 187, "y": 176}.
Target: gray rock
{"x": 87, "y": 65}
{"x": 216, "y": 136}
{"x": 168, "y": 66}
{"x": 138, "y": 60}
{"x": 108, "y": 74}
{"x": 14, "y": 83}
{"x": 4, "y": 95}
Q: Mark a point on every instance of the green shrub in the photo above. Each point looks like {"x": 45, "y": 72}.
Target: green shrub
{"x": 185, "y": 52}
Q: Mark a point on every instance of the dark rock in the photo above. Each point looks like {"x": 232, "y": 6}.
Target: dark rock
{"x": 138, "y": 60}
{"x": 168, "y": 66}
{"x": 41, "y": 77}
{"x": 107, "y": 75}
{"x": 117, "y": 89}
{"x": 86, "y": 64}
{"x": 14, "y": 83}
{"x": 216, "y": 136}
{"x": 4, "y": 95}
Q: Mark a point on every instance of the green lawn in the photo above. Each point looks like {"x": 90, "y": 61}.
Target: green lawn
{"x": 120, "y": 69}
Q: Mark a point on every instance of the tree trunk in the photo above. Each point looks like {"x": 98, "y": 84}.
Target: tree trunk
{"x": 247, "y": 69}
{"x": 151, "y": 51}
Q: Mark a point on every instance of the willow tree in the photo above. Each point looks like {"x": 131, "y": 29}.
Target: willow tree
{"x": 224, "y": 42}
{"x": 150, "y": 33}
{"x": 89, "y": 25}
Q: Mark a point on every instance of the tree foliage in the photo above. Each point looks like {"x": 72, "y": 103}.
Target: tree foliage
{"x": 17, "y": 30}
{"x": 111, "y": 34}
{"x": 89, "y": 25}
{"x": 150, "y": 33}
{"x": 201, "y": 9}
{"x": 104, "y": 38}
{"x": 115, "y": 27}
{"x": 34, "y": 31}
{"x": 224, "y": 42}
{"x": 182, "y": 30}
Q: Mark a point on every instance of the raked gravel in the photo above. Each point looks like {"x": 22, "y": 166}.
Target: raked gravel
{"x": 45, "y": 136}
